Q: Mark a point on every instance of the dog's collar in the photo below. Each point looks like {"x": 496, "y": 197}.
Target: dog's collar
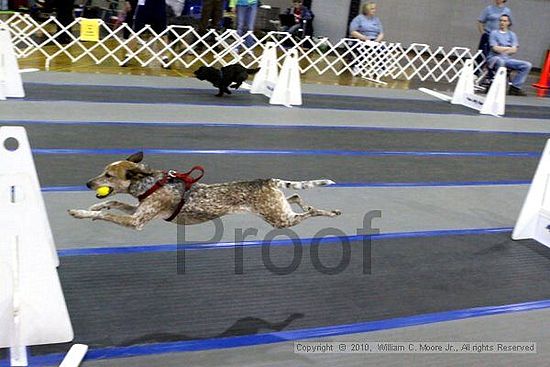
{"x": 186, "y": 178}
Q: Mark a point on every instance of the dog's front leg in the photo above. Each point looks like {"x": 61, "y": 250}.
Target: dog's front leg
{"x": 135, "y": 221}
{"x": 113, "y": 204}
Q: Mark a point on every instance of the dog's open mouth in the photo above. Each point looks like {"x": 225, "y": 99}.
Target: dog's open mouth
{"x": 103, "y": 192}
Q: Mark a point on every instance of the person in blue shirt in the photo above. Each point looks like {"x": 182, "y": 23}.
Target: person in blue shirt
{"x": 504, "y": 43}
{"x": 366, "y": 26}
{"x": 246, "y": 17}
{"x": 488, "y": 21}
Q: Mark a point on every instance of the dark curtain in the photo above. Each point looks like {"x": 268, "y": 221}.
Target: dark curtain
{"x": 353, "y": 10}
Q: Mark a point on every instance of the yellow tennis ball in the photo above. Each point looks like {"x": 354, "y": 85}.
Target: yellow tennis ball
{"x": 103, "y": 190}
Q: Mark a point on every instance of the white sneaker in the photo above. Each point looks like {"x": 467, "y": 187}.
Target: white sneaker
{"x": 165, "y": 61}
{"x": 126, "y": 60}
{"x": 355, "y": 70}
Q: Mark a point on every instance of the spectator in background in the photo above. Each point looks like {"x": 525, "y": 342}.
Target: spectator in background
{"x": 153, "y": 13}
{"x": 212, "y": 12}
{"x": 129, "y": 9}
{"x": 64, "y": 15}
{"x": 366, "y": 26}
{"x": 301, "y": 14}
{"x": 176, "y": 7}
{"x": 488, "y": 21}
{"x": 3, "y": 4}
{"x": 504, "y": 43}
{"x": 246, "y": 17}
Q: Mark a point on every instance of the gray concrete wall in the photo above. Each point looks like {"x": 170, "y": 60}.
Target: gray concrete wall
{"x": 444, "y": 23}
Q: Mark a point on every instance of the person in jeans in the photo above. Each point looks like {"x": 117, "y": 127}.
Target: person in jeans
{"x": 504, "y": 43}
{"x": 246, "y": 17}
{"x": 301, "y": 14}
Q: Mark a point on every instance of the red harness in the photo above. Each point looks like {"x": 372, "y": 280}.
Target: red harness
{"x": 173, "y": 175}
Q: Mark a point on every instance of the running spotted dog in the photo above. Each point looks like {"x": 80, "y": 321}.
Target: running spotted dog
{"x": 177, "y": 198}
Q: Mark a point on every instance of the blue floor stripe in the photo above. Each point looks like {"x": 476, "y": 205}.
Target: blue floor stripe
{"x": 431, "y": 184}
{"x": 304, "y": 152}
{"x": 281, "y": 242}
{"x": 239, "y": 125}
{"x": 352, "y": 185}
{"x": 293, "y": 335}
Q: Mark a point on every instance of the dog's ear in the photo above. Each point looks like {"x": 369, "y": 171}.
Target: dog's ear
{"x": 136, "y": 157}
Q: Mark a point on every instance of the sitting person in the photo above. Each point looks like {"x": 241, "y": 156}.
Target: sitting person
{"x": 488, "y": 21}
{"x": 302, "y": 16}
{"x": 504, "y": 43}
{"x": 366, "y": 26}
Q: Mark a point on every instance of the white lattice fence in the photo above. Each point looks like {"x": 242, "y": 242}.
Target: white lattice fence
{"x": 186, "y": 47}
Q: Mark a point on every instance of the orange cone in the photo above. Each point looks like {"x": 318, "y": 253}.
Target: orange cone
{"x": 544, "y": 81}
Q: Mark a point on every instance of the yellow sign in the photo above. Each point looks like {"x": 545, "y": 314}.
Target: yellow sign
{"x": 89, "y": 30}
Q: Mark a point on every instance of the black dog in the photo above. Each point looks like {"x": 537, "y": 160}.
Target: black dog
{"x": 228, "y": 76}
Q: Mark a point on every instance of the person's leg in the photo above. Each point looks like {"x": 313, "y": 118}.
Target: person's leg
{"x": 241, "y": 19}
{"x": 129, "y": 22}
{"x": 251, "y": 21}
{"x": 217, "y": 13}
{"x": 159, "y": 25}
{"x": 206, "y": 12}
{"x": 294, "y": 28}
{"x": 138, "y": 22}
{"x": 522, "y": 67}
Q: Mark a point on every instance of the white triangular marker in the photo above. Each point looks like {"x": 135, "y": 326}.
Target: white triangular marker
{"x": 288, "y": 91}
{"x": 493, "y": 104}
{"x": 266, "y": 78}
{"x": 32, "y": 305}
{"x": 465, "y": 83}
{"x": 11, "y": 84}
{"x": 75, "y": 356}
{"x": 534, "y": 218}
{"x": 495, "y": 101}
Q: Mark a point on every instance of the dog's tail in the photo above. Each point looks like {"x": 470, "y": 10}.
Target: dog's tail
{"x": 252, "y": 71}
{"x": 301, "y": 185}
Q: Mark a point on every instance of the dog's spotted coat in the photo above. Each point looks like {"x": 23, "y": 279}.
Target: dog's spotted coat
{"x": 202, "y": 202}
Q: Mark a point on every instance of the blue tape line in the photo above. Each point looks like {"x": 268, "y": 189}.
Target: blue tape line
{"x": 293, "y": 335}
{"x": 239, "y": 125}
{"x": 430, "y": 184}
{"x": 64, "y": 188}
{"x": 280, "y": 242}
{"x": 352, "y": 184}
{"x": 286, "y": 152}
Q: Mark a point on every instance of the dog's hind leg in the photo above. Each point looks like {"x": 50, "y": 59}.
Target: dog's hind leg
{"x": 236, "y": 85}
{"x": 292, "y": 218}
{"x": 296, "y": 199}
{"x": 280, "y": 215}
